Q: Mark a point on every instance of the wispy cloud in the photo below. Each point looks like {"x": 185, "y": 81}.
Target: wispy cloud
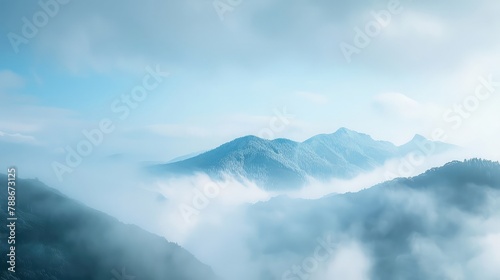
{"x": 396, "y": 104}
{"x": 9, "y": 79}
{"x": 17, "y": 138}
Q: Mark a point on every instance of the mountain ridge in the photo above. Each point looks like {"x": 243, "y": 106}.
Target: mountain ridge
{"x": 286, "y": 164}
{"x": 61, "y": 238}
{"x": 447, "y": 206}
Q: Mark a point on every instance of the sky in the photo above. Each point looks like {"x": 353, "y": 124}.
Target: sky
{"x": 225, "y": 69}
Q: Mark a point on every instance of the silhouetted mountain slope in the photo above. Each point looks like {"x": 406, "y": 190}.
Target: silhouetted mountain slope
{"x": 59, "y": 238}
{"x": 285, "y": 164}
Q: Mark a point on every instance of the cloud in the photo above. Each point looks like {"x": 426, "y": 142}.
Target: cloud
{"x": 414, "y": 24}
{"x": 17, "y": 138}
{"x": 94, "y": 35}
{"x": 9, "y": 80}
{"x": 35, "y": 118}
{"x": 486, "y": 262}
{"x": 82, "y": 47}
{"x": 350, "y": 262}
{"x": 21, "y": 112}
{"x": 399, "y": 105}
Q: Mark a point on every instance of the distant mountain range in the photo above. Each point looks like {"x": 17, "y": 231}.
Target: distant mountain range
{"x": 59, "y": 238}
{"x": 286, "y": 164}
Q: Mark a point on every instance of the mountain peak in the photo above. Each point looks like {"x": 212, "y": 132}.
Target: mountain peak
{"x": 344, "y": 130}
{"x": 341, "y": 133}
{"x": 248, "y": 138}
{"x": 245, "y": 141}
{"x": 418, "y": 137}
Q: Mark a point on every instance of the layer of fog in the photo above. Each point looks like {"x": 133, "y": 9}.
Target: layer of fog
{"x": 222, "y": 232}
